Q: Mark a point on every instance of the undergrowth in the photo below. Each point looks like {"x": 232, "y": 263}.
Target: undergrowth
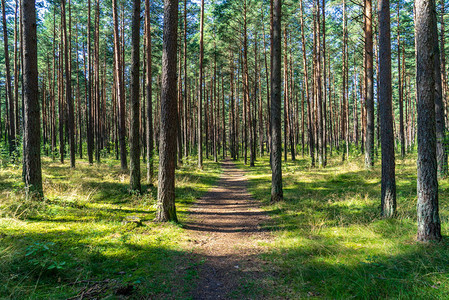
{"x": 77, "y": 241}
{"x": 331, "y": 242}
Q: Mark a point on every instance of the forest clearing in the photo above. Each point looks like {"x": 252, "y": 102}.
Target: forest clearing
{"x": 224, "y": 149}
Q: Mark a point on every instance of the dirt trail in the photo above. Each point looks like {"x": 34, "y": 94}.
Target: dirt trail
{"x": 225, "y": 230}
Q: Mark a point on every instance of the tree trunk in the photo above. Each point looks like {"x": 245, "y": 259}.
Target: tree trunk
{"x": 89, "y": 128}
{"x": 68, "y": 90}
{"x": 200, "y": 98}
{"x": 166, "y": 210}
{"x": 32, "y": 172}
{"x": 149, "y": 112}
{"x": 134, "y": 136}
{"x": 276, "y": 153}
{"x": 369, "y": 86}
{"x": 429, "y": 227}
{"x": 12, "y": 118}
{"x": 306, "y": 87}
{"x": 120, "y": 88}
{"x": 439, "y": 111}
{"x": 388, "y": 185}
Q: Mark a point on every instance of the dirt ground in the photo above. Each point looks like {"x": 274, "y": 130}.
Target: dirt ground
{"x": 226, "y": 234}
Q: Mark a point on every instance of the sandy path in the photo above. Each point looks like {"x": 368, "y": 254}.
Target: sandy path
{"x": 225, "y": 231}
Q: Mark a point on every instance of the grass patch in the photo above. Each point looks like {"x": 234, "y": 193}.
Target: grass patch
{"x": 331, "y": 242}
{"x": 76, "y": 240}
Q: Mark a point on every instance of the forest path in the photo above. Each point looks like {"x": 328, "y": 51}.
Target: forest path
{"x": 225, "y": 232}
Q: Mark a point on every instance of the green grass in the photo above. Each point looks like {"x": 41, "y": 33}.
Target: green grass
{"x": 75, "y": 240}
{"x": 331, "y": 242}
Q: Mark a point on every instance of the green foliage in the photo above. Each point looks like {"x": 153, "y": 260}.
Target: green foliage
{"x": 43, "y": 255}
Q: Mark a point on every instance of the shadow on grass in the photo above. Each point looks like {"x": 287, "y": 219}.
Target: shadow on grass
{"x": 420, "y": 272}
{"x": 152, "y": 269}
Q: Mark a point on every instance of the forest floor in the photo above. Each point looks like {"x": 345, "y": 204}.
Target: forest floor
{"x": 325, "y": 240}
{"x": 227, "y": 235}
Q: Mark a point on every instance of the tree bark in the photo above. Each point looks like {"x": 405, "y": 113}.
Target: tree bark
{"x": 200, "y": 98}
{"x": 149, "y": 112}
{"x": 68, "y": 90}
{"x": 120, "y": 88}
{"x": 166, "y": 210}
{"x": 32, "y": 172}
{"x": 134, "y": 134}
{"x": 429, "y": 227}
{"x": 12, "y": 117}
{"x": 369, "y": 86}
{"x": 276, "y": 155}
{"x": 388, "y": 182}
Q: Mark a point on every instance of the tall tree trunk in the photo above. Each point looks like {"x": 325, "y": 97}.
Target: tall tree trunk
{"x": 186, "y": 141}
{"x": 32, "y": 172}
{"x": 134, "y": 136}
{"x": 12, "y": 118}
{"x": 276, "y": 153}
{"x": 120, "y": 88}
{"x": 16, "y": 66}
{"x": 200, "y": 98}
{"x": 89, "y": 128}
{"x": 369, "y": 86}
{"x": 306, "y": 87}
{"x": 166, "y": 210}
{"x": 429, "y": 227}
{"x": 149, "y": 112}
{"x": 400, "y": 89}
{"x": 68, "y": 90}
{"x": 344, "y": 111}
{"x": 324, "y": 85}
{"x": 440, "y": 119}
{"x": 388, "y": 185}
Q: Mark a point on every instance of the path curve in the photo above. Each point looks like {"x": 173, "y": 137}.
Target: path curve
{"x": 226, "y": 232}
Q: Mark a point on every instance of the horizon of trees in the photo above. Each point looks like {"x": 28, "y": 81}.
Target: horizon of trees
{"x": 237, "y": 78}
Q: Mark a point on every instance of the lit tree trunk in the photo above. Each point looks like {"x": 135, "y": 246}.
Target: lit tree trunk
{"x": 369, "y": 86}
{"x": 276, "y": 155}
{"x": 246, "y": 100}
{"x": 388, "y": 185}
{"x": 98, "y": 144}
{"x": 61, "y": 111}
{"x": 400, "y": 90}
{"x": 32, "y": 172}
{"x": 68, "y": 90}
{"x": 325, "y": 85}
{"x": 318, "y": 86}
{"x": 120, "y": 88}
{"x": 306, "y": 87}
{"x": 200, "y": 98}
{"x": 134, "y": 137}
{"x": 149, "y": 112}
{"x": 17, "y": 53}
{"x": 344, "y": 128}
{"x": 78, "y": 98}
{"x": 166, "y": 210}
{"x": 89, "y": 128}
{"x": 186, "y": 141}
{"x": 439, "y": 112}
{"x": 285, "y": 95}
{"x": 429, "y": 227}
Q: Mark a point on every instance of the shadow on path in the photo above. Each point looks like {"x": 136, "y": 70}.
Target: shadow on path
{"x": 225, "y": 229}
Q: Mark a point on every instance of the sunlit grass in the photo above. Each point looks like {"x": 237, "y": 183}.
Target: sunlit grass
{"x": 78, "y": 237}
{"x": 331, "y": 242}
